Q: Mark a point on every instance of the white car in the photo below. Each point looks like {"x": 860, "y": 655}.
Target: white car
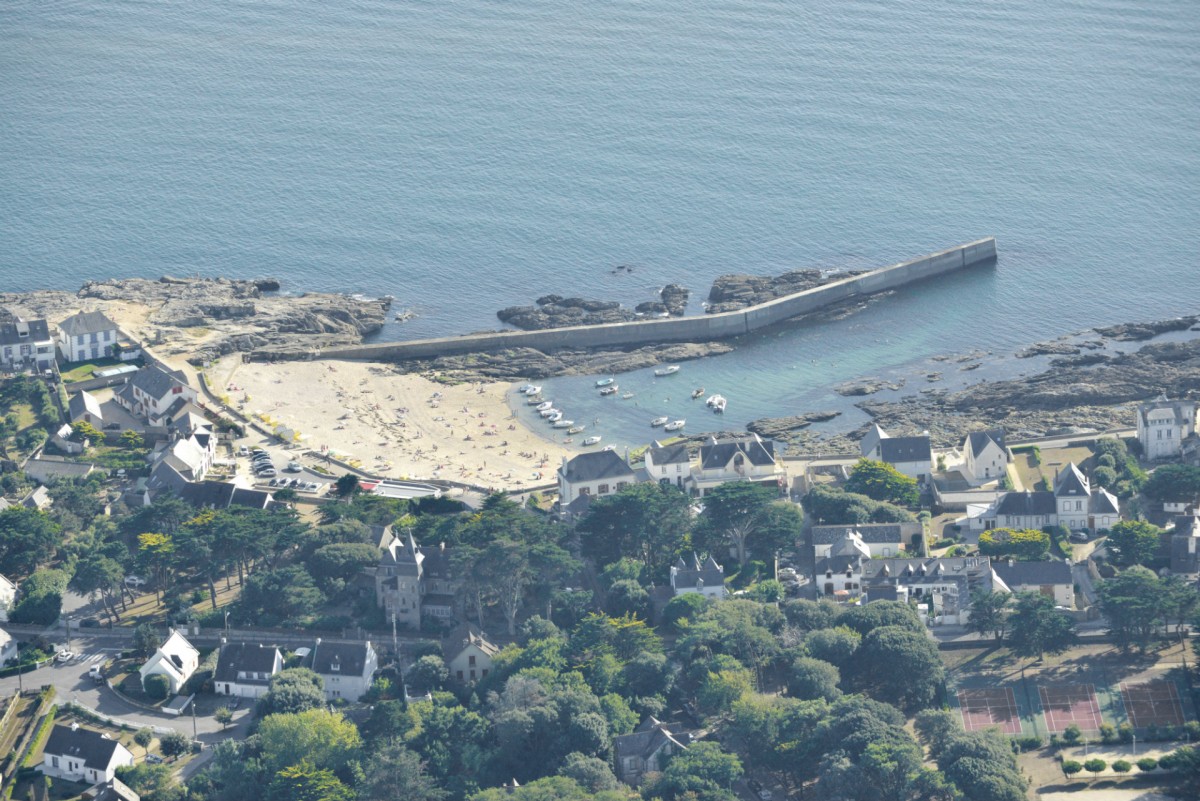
{"x": 64, "y": 656}
{"x": 293, "y": 467}
{"x": 134, "y": 581}
{"x": 267, "y": 472}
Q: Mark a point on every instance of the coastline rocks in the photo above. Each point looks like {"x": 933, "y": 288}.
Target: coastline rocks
{"x": 780, "y": 427}
{"x": 1135, "y": 332}
{"x": 866, "y": 386}
{"x": 674, "y": 302}
{"x": 733, "y": 292}
{"x": 555, "y": 311}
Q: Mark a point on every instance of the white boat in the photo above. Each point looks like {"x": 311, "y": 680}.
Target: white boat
{"x": 609, "y": 448}
{"x": 711, "y": 400}
{"x": 564, "y": 423}
{"x": 610, "y": 390}
{"x": 592, "y": 441}
{"x": 575, "y": 429}
{"x": 532, "y": 390}
{"x": 669, "y": 370}
{"x": 627, "y": 395}
{"x": 555, "y": 417}
{"x": 659, "y": 421}
{"x": 544, "y": 405}
{"x": 534, "y": 400}
{"x": 549, "y": 412}
{"x": 719, "y": 406}
{"x": 524, "y": 388}
{"x": 674, "y": 425}
{"x": 604, "y": 382}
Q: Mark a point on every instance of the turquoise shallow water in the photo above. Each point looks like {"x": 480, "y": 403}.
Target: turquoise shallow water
{"x": 468, "y": 156}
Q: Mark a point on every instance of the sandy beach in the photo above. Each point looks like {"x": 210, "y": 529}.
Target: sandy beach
{"x": 399, "y": 426}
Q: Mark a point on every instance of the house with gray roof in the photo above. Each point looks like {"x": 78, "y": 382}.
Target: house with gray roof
{"x": 87, "y": 335}
{"x": 152, "y": 391}
{"x": 26, "y": 345}
{"x": 912, "y": 456}
{"x": 1164, "y": 427}
{"x": 1049, "y": 577}
{"x": 880, "y": 539}
{"x": 245, "y": 669}
{"x": 745, "y": 458}
{"x": 412, "y": 582}
{"x": 1185, "y": 545}
{"x": 644, "y": 751}
{"x": 669, "y": 464}
{"x": 77, "y": 754}
{"x": 84, "y": 408}
{"x": 838, "y": 571}
{"x": 595, "y": 473}
{"x": 48, "y": 469}
{"x": 347, "y": 668}
{"x": 1073, "y": 503}
{"x": 941, "y": 587}
{"x": 468, "y": 654}
{"x": 985, "y": 457}
{"x": 705, "y": 577}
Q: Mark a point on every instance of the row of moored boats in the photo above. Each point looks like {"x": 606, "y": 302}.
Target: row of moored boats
{"x": 555, "y": 417}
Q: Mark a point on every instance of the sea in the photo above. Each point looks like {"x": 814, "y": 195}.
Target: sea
{"x": 471, "y": 155}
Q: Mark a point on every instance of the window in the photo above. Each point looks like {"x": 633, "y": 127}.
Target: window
{"x": 622, "y": 485}
{"x": 54, "y": 761}
{"x": 584, "y": 491}
{"x": 1078, "y": 506}
{"x": 472, "y": 675}
{"x": 459, "y": 673}
{"x": 471, "y": 661}
{"x": 485, "y": 672}
{"x": 602, "y": 489}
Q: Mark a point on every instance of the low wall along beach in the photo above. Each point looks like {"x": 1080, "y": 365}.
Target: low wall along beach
{"x": 703, "y": 328}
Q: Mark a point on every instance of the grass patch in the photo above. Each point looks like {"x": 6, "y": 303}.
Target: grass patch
{"x": 82, "y": 371}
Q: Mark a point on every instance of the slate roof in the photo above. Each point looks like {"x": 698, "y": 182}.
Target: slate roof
{"x": 962, "y": 570}
{"x": 157, "y": 382}
{"x": 1184, "y": 411}
{"x": 675, "y": 453}
{"x": 92, "y": 747}
{"x": 719, "y": 452}
{"x": 38, "y": 499}
{"x": 57, "y": 468}
{"x": 837, "y": 564}
{"x": 1026, "y": 503}
{"x": 245, "y": 657}
{"x": 594, "y": 466}
{"x": 350, "y": 657}
{"x": 685, "y": 574}
{"x": 1071, "y": 483}
{"x": 1103, "y": 502}
{"x": 905, "y": 449}
{"x": 83, "y": 323}
{"x": 978, "y": 440}
{"x": 878, "y": 533}
{"x": 39, "y": 331}
{"x": 1018, "y": 574}
{"x": 874, "y": 436}
{"x": 204, "y": 494}
{"x": 457, "y": 641}
{"x": 645, "y": 740}
{"x": 252, "y": 498}
{"x": 82, "y": 403}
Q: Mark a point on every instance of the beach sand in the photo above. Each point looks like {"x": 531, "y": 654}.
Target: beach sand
{"x": 398, "y": 426}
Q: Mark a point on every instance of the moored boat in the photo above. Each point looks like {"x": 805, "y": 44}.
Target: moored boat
{"x": 532, "y": 390}
{"x": 719, "y": 406}
{"x": 544, "y": 405}
{"x": 697, "y": 392}
{"x": 575, "y": 429}
{"x": 659, "y": 421}
{"x": 592, "y": 441}
{"x": 674, "y": 425}
{"x": 610, "y": 390}
{"x": 627, "y": 395}
{"x": 564, "y": 423}
{"x": 549, "y": 412}
{"x": 604, "y": 382}
{"x": 668, "y": 370}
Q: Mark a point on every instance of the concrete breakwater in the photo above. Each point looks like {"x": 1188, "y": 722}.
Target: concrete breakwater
{"x": 703, "y": 328}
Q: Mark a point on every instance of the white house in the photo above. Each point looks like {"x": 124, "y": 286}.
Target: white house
{"x": 880, "y": 539}
{"x": 912, "y": 456}
{"x": 26, "y": 344}
{"x": 8, "y": 597}
{"x": 838, "y": 572}
{"x": 87, "y": 335}
{"x": 1073, "y": 503}
{"x": 1051, "y": 578}
{"x": 82, "y": 755}
{"x": 346, "y": 668}
{"x": 152, "y": 391}
{"x": 596, "y": 473}
{"x": 1163, "y": 425}
{"x": 245, "y": 669}
{"x": 84, "y": 408}
{"x": 985, "y": 456}
{"x": 941, "y": 587}
{"x": 176, "y": 659}
{"x": 468, "y": 654}
{"x": 644, "y": 751}
{"x": 748, "y": 458}
{"x": 706, "y": 578}
{"x": 669, "y": 464}
{"x": 8, "y": 648}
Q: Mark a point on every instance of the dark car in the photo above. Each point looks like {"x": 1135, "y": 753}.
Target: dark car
{"x": 89, "y": 623}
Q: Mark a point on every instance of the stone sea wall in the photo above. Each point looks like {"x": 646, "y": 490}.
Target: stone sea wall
{"x": 703, "y": 328}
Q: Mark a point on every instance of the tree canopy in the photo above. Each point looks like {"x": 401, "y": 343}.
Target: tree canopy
{"x": 881, "y": 481}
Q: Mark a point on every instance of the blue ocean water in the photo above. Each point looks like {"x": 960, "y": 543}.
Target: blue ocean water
{"x": 473, "y": 155}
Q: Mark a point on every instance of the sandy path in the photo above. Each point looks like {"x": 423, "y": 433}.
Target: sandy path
{"x": 400, "y": 426}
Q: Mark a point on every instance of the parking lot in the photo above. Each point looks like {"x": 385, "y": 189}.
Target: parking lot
{"x": 279, "y": 469}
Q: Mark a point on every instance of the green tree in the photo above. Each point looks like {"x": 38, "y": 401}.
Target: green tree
{"x": 746, "y": 515}
{"x": 703, "y": 769}
{"x": 1095, "y": 766}
{"x": 346, "y": 485}
{"x": 28, "y": 538}
{"x": 1071, "y": 767}
{"x": 156, "y": 554}
{"x": 84, "y": 430}
{"x": 427, "y": 674}
{"x": 291, "y": 691}
{"x": 833, "y": 505}
{"x": 157, "y": 686}
{"x": 146, "y": 640}
{"x": 989, "y": 614}
{"x": 394, "y": 773}
{"x": 627, "y": 597}
{"x": 882, "y": 482}
{"x": 591, "y": 773}
{"x": 304, "y": 782}
{"x": 174, "y": 744}
{"x": 131, "y": 439}
{"x": 100, "y": 575}
{"x": 900, "y": 666}
{"x": 341, "y": 561}
{"x": 151, "y": 782}
{"x": 683, "y": 607}
{"x": 285, "y": 594}
{"x": 1174, "y": 483}
{"x": 224, "y": 716}
{"x": 1027, "y": 545}
{"x": 325, "y": 738}
{"x": 1133, "y": 542}
{"x": 720, "y": 690}
{"x": 646, "y": 522}
{"x": 1134, "y": 604}
{"x": 811, "y": 678}
{"x": 1122, "y": 766}
{"x": 1037, "y": 628}
{"x": 41, "y": 598}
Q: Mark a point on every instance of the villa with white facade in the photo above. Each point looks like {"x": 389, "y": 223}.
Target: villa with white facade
{"x": 1163, "y": 425}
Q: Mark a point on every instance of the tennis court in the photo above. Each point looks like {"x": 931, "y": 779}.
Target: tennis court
{"x": 985, "y": 707}
{"x": 1153, "y": 703}
{"x": 1067, "y": 704}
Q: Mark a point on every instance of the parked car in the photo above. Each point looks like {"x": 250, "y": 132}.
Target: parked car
{"x": 243, "y": 451}
{"x": 275, "y": 482}
{"x": 293, "y": 467}
{"x": 154, "y": 759}
{"x": 267, "y": 472}
{"x": 763, "y": 793}
{"x": 89, "y": 623}
{"x": 64, "y": 656}
{"x": 134, "y": 581}
{"x": 96, "y": 673}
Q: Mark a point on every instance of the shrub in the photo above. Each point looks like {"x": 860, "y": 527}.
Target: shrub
{"x": 156, "y": 686}
{"x": 1095, "y": 765}
{"x": 1028, "y": 743}
{"x": 1125, "y": 733}
{"x": 1071, "y": 767}
{"x": 174, "y": 743}
{"x": 1147, "y": 764}
{"x": 1168, "y": 761}
{"x": 1108, "y": 733}
{"x": 1072, "y": 734}
{"x": 1104, "y": 476}
{"x": 1122, "y": 766}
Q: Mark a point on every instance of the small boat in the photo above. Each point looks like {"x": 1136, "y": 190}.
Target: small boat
{"x": 532, "y": 390}
{"x": 675, "y": 425}
{"x": 524, "y": 388}
{"x": 554, "y": 417}
{"x": 719, "y": 406}
{"x": 544, "y": 405}
{"x": 564, "y": 423}
{"x": 604, "y": 382}
{"x": 534, "y": 400}
{"x": 697, "y": 393}
{"x": 627, "y": 395}
{"x": 549, "y": 412}
{"x": 610, "y": 390}
{"x": 711, "y": 400}
{"x": 592, "y": 441}
{"x": 575, "y": 429}
{"x": 609, "y": 448}
{"x": 669, "y": 370}
{"x": 659, "y": 421}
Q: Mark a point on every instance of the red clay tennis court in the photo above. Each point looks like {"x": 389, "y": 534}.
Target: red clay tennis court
{"x": 1154, "y": 703}
{"x": 1066, "y": 704}
{"x": 985, "y": 707}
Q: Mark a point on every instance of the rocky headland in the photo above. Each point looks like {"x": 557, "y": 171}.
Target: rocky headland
{"x": 555, "y": 311}
{"x": 733, "y": 292}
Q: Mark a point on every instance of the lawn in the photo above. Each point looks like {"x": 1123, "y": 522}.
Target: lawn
{"x": 1053, "y": 460}
{"x": 82, "y": 371}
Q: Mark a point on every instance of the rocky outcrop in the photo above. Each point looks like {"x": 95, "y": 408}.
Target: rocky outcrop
{"x": 1136, "y": 332}
{"x": 535, "y": 364}
{"x": 866, "y": 386}
{"x": 782, "y": 427}
{"x": 733, "y": 292}
{"x": 555, "y": 311}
